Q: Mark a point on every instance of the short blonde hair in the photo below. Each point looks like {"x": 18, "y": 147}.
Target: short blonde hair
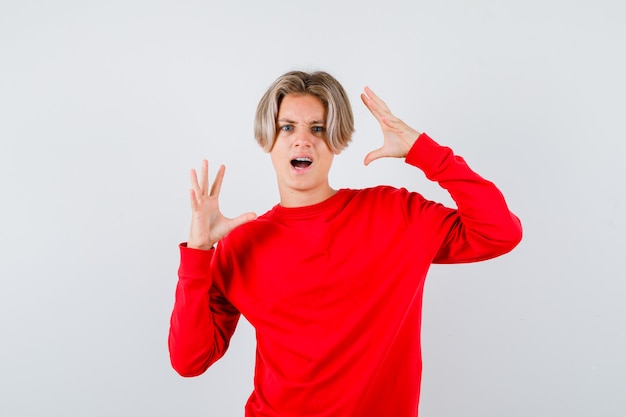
{"x": 339, "y": 118}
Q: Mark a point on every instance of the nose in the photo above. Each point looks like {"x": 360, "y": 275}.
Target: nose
{"x": 302, "y": 138}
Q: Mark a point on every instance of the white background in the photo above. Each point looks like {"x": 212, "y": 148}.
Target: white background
{"x": 105, "y": 106}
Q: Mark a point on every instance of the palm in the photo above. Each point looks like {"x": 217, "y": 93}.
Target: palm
{"x": 392, "y": 142}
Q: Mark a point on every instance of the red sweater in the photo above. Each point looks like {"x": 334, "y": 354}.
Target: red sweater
{"x": 334, "y": 290}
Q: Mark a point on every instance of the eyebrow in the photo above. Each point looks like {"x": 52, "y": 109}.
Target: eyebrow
{"x": 312, "y": 122}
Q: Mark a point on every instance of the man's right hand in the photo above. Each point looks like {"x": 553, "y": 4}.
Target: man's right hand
{"x": 208, "y": 224}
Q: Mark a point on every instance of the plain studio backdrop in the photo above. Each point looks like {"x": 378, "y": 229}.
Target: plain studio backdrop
{"x": 105, "y": 106}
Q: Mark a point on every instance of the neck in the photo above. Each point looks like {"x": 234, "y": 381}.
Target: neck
{"x": 295, "y": 198}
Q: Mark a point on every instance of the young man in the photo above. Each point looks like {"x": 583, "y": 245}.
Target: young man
{"x": 332, "y": 280}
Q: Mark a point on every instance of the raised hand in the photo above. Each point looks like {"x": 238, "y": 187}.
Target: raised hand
{"x": 208, "y": 224}
{"x": 398, "y": 137}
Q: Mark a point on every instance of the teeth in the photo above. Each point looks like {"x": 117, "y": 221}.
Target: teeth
{"x": 301, "y": 162}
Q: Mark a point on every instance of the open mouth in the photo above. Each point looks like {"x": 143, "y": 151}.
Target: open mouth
{"x": 301, "y": 163}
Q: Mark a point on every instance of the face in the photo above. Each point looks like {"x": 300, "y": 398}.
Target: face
{"x": 301, "y": 156}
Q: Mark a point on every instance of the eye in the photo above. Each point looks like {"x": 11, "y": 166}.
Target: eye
{"x": 318, "y": 129}
{"x": 286, "y": 128}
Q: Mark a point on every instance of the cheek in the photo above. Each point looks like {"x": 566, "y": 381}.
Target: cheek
{"x": 328, "y": 159}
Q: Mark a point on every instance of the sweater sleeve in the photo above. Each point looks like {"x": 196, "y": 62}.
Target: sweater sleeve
{"x": 202, "y": 320}
{"x": 482, "y": 226}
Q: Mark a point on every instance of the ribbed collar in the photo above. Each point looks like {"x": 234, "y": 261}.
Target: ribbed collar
{"x": 330, "y": 206}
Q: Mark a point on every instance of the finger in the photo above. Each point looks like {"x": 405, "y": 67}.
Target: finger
{"x": 195, "y": 185}
{"x": 377, "y": 107}
{"x": 400, "y": 128}
{"x": 375, "y": 154}
{"x": 394, "y": 123}
{"x": 217, "y": 183}
{"x": 244, "y": 218}
{"x": 204, "y": 177}
{"x": 371, "y": 106}
{"x": 194, "y": 200}
{"x": 382, "y": 106}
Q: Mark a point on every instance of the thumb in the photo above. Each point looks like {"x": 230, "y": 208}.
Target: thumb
{"x": 244, "y": 218}
{"x": 375, "y": 154}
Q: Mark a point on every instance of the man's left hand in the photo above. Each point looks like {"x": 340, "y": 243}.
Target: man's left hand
{"x": 398, "y": 137}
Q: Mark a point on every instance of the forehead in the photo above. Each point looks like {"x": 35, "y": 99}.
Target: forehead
{"x": 297, "y": 107}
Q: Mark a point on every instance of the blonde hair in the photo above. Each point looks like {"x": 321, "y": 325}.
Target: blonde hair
{"x": 339, "y": 119}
